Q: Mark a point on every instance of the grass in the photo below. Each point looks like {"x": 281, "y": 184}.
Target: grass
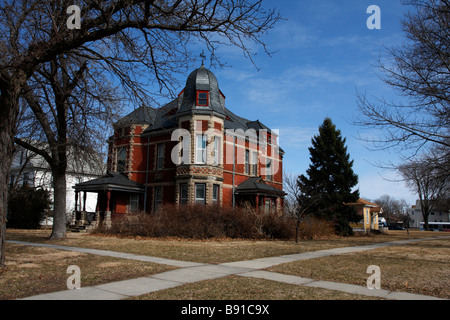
{"x": 206, "y": 251}
{"x": 33, "y": 270}
{"x": 241, "y": 288}
{"x": 419, "y": 267}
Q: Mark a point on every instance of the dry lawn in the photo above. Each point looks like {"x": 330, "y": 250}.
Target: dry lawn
{"x": 206, "y": 251}
{"x": 241, "y": 288}
{"x": 419, "y": 268}
{"x": 33, "y": 270}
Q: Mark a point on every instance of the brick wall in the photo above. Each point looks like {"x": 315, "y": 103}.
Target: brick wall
{"x": 171, "y": 176}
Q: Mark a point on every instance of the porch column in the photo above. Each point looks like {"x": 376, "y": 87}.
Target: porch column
{"x": 264, "y": 204}
{"x": 257, "y": 202}
{"x": 84, "y": 200}
{"x": 74, "y": 217}
{"x": 76, "y": 200}
{"x": 270, "y": 205}
{"x": 97, "y": 211}
{"x": 79, "y": 209}
{"x": 83, "y": 212}
{"x": 108, "y": 212}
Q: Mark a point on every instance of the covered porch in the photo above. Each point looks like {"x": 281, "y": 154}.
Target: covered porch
{"x": 369, "y": 212}
{"x": 116, "y": 195}
{"x": 258, "y": 194}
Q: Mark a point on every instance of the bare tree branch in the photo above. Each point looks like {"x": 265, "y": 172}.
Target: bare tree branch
{"x": 419, "y": 71}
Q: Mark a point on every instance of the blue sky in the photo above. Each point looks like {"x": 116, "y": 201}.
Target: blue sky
{"x": 324, "y": 53}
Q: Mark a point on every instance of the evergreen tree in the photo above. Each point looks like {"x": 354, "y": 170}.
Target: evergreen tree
{"x": 330, "y": 179}
{"x": 27, "y": 207}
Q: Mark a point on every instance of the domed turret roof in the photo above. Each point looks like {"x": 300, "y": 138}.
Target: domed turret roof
{"x": 202, "y": 79}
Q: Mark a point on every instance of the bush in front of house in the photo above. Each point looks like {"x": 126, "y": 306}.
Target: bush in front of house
{"x": 26, "y": 207}
{"x": 203, "y": 222}
{"x": 314, "y": 228}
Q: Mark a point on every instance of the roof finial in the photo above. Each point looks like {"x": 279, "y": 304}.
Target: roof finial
{"x": 202, "y": 55}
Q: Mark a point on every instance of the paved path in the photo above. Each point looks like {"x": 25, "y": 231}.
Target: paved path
{"x": 190, "y": 272}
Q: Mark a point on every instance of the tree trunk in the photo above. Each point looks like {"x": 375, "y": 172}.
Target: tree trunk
{"x": 425, "y": 220}
{"x": 6, "y": 156}
{"x": 59, "y": 204}
{"x": 8, "y": 115}
{"x": 425, "y": 206}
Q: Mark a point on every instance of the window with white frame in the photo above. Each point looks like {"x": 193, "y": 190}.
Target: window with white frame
{"x": 269, "y": 173}
{"x": 247, "y": 162}
{"x": 185, "y": 149}
{"x": 200, "y": 193}
{"x": 255, "y": 163}
{"x": 216, "y": 151}
{"x": 200, "y": 154}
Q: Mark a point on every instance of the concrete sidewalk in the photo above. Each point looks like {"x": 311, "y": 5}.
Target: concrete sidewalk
{"x": 114, "y": 254}
{"x": 190, "y": 272}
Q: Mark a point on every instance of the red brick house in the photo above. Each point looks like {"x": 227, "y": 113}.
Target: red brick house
{"x": 192, "y": 150}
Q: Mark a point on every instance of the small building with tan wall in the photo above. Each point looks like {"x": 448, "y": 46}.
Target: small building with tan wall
{"x": 369, "y": 213}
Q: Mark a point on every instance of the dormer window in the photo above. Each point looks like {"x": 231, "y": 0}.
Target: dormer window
{"x": 202, "y": 98}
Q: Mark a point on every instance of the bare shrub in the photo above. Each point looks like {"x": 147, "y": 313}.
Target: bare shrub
{"x": 314, "y": 228}
{"x": 202, "y": 222}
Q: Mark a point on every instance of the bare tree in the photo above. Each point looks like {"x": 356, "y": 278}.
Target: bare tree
{"x": 292, "y": 190}
{"x": 141, "y": 43}
{"x": 67, "y": 108}
{"x": 429, "y": 184}
{"x": 418, "y": 70}
{"x": 296, "y": 204}
{"x": 291, "y": 205}
{"x": 393, "y": 209}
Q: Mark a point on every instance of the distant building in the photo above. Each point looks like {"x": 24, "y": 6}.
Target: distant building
{"x": 193, "y": 150}
{"x": 370, "y": 214}
{"x": 440, "y": 213}
{"x": 33, "y": 170}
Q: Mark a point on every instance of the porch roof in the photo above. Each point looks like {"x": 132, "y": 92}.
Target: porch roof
{"x": 110, "y": 181}
{"x": 256, "y": 185}
{"x": 365, "y": 203}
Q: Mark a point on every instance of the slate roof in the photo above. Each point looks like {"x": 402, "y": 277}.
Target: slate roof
{"x": 204, "y": 80}
{"x": 111, "y": 181}
{"x": 142, "y": 115}
{"x": 166, "y": 116}
{"x": 256, "y": 185}
{"x": 235, "y": 122}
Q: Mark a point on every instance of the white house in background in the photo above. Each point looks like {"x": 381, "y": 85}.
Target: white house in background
{"x": 32, "y": 169}
{"x": 441, "y": 213}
